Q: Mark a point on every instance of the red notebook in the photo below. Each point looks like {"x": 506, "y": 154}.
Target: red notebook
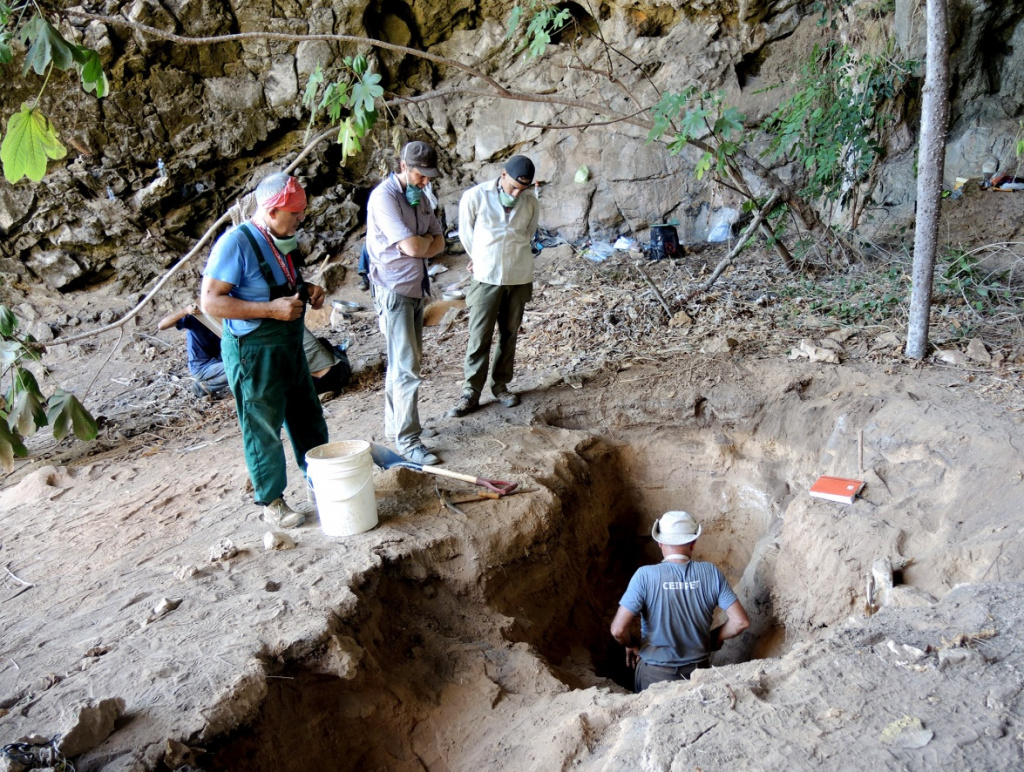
{"x": 836, "y": 489}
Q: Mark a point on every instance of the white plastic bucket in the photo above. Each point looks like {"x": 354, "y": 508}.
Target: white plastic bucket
{"x": 342, "y": 477}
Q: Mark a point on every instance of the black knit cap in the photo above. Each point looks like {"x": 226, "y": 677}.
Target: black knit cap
{"x": 520, "y": 168}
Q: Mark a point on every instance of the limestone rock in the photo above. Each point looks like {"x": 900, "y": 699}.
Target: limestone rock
{"x": 55, "y": 267}
{"x": 275, "y": 540}
{"x": 951, "y": 356}
{"x": 89, "y": 725}
{"x": 977, "y": 351}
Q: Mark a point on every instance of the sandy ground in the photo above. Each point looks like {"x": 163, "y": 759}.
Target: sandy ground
{"x": 476, "y": 636}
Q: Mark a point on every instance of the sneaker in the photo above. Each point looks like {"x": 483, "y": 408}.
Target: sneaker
{"x": 420, "y": 455}
{"x": 198, "y": 390}
{"x": 467, "y": 404}
{"x": 280, "y": 514}
{"x": 364, "y": 283}
{"x": 507, "y": 399}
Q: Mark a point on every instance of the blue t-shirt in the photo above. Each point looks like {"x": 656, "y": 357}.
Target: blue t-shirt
{"x": 675, "y": 602}
{"x": 203, "y": 345}
{"x": 232, "y": 261}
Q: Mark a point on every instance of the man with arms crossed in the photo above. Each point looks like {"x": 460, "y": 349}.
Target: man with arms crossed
{"x": 402, "y": 233}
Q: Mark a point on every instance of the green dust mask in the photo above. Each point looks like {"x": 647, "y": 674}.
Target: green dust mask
{"x": 507, "y": 200}
{"x": 286, "y": 246}
{"x": 412, "y": 194}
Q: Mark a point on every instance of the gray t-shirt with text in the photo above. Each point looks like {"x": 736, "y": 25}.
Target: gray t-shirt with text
{"x": 675, "y": 602}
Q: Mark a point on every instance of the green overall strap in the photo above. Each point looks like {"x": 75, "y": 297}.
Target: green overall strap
{"x": 265, "y": 269}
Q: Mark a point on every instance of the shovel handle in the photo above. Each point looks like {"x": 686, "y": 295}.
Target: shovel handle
{"x": 448, "y": 473}
{"x": 498, "y": 486}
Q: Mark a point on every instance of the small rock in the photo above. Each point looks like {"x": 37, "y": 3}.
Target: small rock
{"x": 680, "y": 319}
{"x": 224, "y": 549}
{"x": 959, "y": 657}
{"x": 177, "y": 754}
{"x": 91, "y": 724}
{"x": 888, "y": 340}
{"x": 275, "y": 540}
{"x": 165, "y": 606}
{"x": 186, "y": 572}
{"x": 815, "y": 353}
{"x": 720, "y": 345}
{"x": 977, "y": 351}
{"x": 951, "y": 356}
{"x": 272, "y": 586}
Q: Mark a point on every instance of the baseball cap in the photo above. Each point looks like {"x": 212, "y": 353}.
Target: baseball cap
{"x": 422, "y": 157}
{"x": 520, "y": 168}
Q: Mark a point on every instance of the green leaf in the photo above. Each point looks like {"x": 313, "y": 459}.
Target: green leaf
{"x": 364, "y": 121}
{"x": 312, "y": 86}
{"x": 65, "y": 412}
{"x": 730, "y": 122}
{"x": 703, "y": 165}
{"x": 27, "y": 413}
{"x": 359, "y": 65}
{"x": 335, "y": 97}
{"x": 10, "y": 352}
{"x": 93, "y": 77}
{"x": 30, "y": 140}
{"x": 10, "y": 446}
{"x": 513, "y": 21}
{"x": 6, "y": 55}
{"x": 8, "y": 322}
{"x": 45, "y": 45}
{"x": 348, "y": 136}
{"x": 693, "y": 122}
{"x": 366, "y": 91}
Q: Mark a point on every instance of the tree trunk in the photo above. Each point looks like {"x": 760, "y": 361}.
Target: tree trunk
{"x": 930, "y": 160}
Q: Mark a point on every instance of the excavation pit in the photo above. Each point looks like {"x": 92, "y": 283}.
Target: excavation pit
{"x": 423, "y": 652}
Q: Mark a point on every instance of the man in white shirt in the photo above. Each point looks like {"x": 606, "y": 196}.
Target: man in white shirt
{"x": 497, "y": 221}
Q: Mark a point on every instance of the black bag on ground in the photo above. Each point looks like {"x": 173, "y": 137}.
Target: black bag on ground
{"x": 664, "y": 242}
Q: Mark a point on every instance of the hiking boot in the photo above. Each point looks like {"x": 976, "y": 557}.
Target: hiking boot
{"x": 280, "y": 514}
{"x": 420, "y": 455}
{"x": 507, "y": 399}
{"x": 467, "y": 404}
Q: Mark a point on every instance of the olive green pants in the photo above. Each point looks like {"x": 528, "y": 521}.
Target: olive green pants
{"x": 269, "y": 378}
{"x": 490, "y": 304}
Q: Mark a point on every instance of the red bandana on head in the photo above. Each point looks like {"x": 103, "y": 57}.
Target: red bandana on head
{"x": 291, "y": 199}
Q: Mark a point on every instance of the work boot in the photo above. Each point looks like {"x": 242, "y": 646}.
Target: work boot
{"x": 507, "y": 399}
{"x": 280, "y": 514}
{"x": 420, "y": 455}
{"x": 467, "y": 404}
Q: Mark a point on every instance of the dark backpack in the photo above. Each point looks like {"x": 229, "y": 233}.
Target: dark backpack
{"x": 664, "y": 242}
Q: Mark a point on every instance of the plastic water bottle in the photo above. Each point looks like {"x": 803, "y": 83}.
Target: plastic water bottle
{"x": 161, "y": 167}
{"x": 110, "y": 193}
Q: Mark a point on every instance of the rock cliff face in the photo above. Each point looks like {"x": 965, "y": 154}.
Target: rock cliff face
{"x": 220, "y": 114}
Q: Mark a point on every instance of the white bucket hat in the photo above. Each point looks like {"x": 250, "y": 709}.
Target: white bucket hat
{"x": 676, "y": 528}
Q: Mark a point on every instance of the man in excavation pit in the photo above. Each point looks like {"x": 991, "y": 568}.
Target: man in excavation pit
{"x": 675, "y": 601}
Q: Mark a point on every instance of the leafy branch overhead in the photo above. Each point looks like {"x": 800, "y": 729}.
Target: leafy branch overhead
{"x": 358, "y": 90}
{"x": 23, "y": 408}
{"x": 31, "y": 140}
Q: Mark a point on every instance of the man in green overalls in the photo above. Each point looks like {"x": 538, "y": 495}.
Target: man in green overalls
{"x": 251, "y": 282}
